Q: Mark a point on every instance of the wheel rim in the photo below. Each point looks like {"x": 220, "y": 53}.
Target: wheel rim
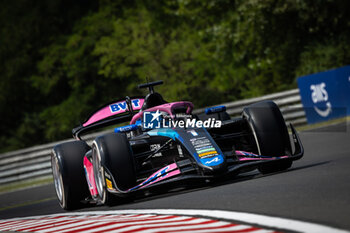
{"x": 57, "y": 177}
{"x": 98, "y": 172}
{"x": 254, "y": 133}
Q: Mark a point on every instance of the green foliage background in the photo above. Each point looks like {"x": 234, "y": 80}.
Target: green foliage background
{"x": 61, "y": 59}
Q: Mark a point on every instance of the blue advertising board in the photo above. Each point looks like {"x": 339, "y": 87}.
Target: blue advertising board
{"x": 326, "y": 95}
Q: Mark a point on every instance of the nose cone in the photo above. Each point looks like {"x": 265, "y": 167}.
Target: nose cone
{"x": 215, "y": 164}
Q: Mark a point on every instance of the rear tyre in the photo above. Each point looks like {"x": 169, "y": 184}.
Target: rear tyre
{"x": 270, "y": 134}
{"x": 68, "y": 174}
{"x": 113, "y": 152}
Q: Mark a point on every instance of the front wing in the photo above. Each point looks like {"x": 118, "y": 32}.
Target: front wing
{"x": 183, "y": 169}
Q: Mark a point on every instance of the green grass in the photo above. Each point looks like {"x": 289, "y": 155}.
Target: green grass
{"x": 323, "y": 124}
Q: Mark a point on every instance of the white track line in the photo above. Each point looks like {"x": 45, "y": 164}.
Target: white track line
{"x": 135, "y": 226}
{"x": 192, "y": 228}
{"x": 273, "y": 222}
{"x": 256, "y": 219}
{"x": 228, "y": 229}
{"x": 23, "y": 224}
{"x": 122, "y": 224}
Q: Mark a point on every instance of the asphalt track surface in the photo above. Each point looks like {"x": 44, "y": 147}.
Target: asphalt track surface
{"x": 316, "y": 189}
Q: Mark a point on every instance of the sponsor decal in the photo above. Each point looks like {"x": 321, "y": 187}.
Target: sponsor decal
{"x": 179, "y": 149}
{"x": 135, "y": 103}
{"x": 201, "y": 141}
{"x": 161, "y": 173}
{"x": 325, "y": 95}
{"x": 213, "y": 161}
{"x": 203, "y": 147}
{"x": 118, "y": 107}
{"x": 216, "y": 159}
{"x": 193, "y": 132}
{"x": 154, "y": 178}
{"x": 319, "y": 95}
{"x": 126, "y": 128}
{"x": 107, "y": 175}
{"x": 156, "y": 120}
{"x": 221, "y": 108}
{"x": 122, "y": 106}
{"x": 154, "y": 147}
{"x": 208, "y": 153}
{"x": 212, "y": 149}
{"x": 109, "y": 184}
{"x": 208, "y": 156}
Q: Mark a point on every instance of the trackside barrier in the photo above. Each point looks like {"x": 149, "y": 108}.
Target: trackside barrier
{"x": 35, "y": 162}
{"x": 326, "y": 95}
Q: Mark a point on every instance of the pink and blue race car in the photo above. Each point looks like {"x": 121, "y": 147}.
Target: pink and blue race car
{"x": 165, "y": 143}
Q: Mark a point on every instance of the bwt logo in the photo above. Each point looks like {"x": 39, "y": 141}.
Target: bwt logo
{"x": 152, "y": 120}
{"x": 319, "y": 94}
{"x": 122, "y": 106}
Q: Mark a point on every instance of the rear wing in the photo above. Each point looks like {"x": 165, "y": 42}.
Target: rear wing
{"x": 109, "y": 114}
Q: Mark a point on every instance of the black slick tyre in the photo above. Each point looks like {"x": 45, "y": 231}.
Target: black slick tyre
{"x": 68, "y": 173}
{"x": 270, "y": 134}
{"x": 112, "y": 154}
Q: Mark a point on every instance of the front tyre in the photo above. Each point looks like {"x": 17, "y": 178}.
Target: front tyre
{"x": 68, "y": 174}
{"x": 113, "y": 152}
{"x": 270, "y": 134}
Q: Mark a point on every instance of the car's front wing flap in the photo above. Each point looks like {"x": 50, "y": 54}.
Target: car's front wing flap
{"x": 174, "y": 172}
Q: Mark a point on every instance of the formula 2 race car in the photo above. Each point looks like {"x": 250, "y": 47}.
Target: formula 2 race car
{"x": 166, "y": 143}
